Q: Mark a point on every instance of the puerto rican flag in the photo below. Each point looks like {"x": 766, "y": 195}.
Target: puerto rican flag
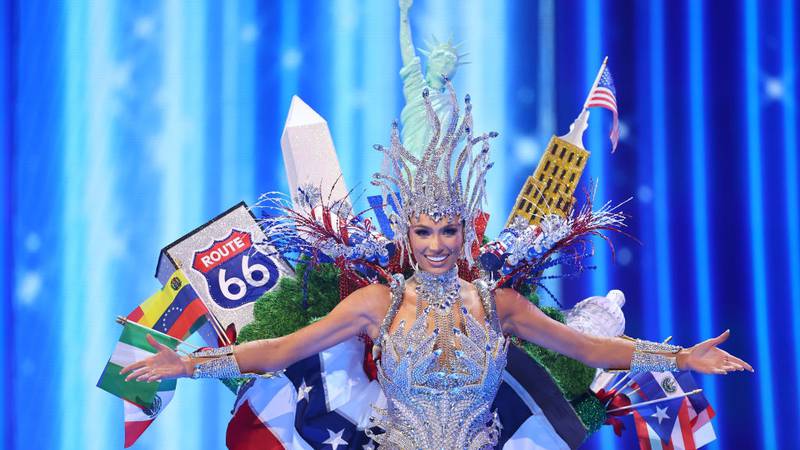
{"x": 325, "y": 401}
{"x": 687, "y": 420}
{"x": 673, "y": 423}
{"x": 691, "y": 430}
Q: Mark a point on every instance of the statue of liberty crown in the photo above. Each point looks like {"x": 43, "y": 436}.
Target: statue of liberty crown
{"x": 433, "y": 184}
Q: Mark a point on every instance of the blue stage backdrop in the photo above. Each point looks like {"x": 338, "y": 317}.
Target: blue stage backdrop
{"x": 126, "y": 124}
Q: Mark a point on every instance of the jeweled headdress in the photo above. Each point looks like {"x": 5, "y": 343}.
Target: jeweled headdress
{"x": 437, "y": 184}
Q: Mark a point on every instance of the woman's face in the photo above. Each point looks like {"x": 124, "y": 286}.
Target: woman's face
{"x": 436, "y": 246}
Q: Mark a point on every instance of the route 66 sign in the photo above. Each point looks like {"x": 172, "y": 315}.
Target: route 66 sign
{"x": 235, "y": 273}
{"x": 224, "y": 267}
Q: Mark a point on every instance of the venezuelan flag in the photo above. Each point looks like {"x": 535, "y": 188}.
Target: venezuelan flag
{"x": 176, "y": 310}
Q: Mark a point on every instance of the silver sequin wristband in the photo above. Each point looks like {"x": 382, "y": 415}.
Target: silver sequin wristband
{"x": 653, "y": 362}
{"x": 222, "y": 364}
{"x": 655, "y": 347}
{"x": 649, "y": 357}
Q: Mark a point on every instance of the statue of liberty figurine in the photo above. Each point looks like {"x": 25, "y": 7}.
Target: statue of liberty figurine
{"x": 442, "y": 61}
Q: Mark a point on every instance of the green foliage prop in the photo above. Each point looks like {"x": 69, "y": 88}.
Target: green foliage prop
{"x": 280, "y": 311}
{"x": 591, "y": 411}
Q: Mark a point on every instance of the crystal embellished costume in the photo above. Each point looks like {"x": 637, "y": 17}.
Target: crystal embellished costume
{"x": 448, "y": 379}
{"x": 440, "y": 374}
{"x": 440, "y": 385}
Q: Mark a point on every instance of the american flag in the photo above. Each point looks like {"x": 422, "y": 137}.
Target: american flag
{"x": 604, "y": 95}
{"x": 325, "y": 401}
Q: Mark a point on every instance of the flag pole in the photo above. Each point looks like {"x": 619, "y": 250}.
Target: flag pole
{"x": 658, "y": 400}
{"x": 616, "y": 385}
{"x": 596, "y": 81}
{"x": 124, "y": 320}
{"x": 218, "y": 329}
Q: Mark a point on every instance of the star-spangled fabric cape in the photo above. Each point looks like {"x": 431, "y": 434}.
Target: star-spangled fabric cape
{"x": 325, "y": 401}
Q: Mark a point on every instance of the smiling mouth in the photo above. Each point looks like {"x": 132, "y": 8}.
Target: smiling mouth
{"x": 436, "y": 259}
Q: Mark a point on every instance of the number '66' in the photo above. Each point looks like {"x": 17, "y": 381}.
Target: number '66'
{"x": 248, "y": 271}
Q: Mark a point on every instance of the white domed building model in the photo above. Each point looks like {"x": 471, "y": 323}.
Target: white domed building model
{"x": 599, "y": 315}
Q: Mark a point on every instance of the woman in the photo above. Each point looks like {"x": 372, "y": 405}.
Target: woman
{"x": 442, "y": 341}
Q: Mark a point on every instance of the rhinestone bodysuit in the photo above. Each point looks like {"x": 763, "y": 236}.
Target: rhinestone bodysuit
{"x": 435, "y": 402}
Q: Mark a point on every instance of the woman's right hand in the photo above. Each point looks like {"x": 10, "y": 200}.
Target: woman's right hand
{"x": 164, "y": 365}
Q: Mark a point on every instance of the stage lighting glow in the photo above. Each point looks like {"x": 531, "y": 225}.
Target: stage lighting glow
{"x": 756, "y": 217}
{"x": 659, "y": 144}
{"x": 790, "y": 149}
{"x": 597, "y": 143}
{"x": 699, "y": 173}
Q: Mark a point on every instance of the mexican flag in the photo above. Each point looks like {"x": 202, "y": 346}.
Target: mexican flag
{"x": 132, "y": 347}
{"x": 137, "y": 419}
{"x": 169, "y": 315}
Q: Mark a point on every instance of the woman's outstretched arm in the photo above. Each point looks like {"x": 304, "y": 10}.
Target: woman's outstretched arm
{"x": 520, "y": 317}
{"x": 407, "y": 51}
{"x": 361, "y": 312}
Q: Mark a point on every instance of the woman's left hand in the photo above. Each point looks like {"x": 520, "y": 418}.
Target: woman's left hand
{"x": 706, "y": 357}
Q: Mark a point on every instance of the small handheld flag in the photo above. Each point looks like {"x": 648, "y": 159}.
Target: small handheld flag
{"x": 132, "y": 347}
{"x": 175, "y": 310}
{"x": 170, "y": 316}
{"x": 604, "y": 95}
{"x": 669, "y": 410}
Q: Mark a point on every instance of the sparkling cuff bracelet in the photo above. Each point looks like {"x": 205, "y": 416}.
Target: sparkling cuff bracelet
{"x": 655, "y": 347}
{"x": 222, "y": 364}
{"x": 649, "y": 357}
{"x": 653, "y": 362}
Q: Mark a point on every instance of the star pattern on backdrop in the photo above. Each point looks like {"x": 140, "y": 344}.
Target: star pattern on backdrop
{"x": 303, "y": 390}
{"x": 335, "y": 439}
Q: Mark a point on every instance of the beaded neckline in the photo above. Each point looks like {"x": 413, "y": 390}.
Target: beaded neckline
{"x": 439, "y": 290}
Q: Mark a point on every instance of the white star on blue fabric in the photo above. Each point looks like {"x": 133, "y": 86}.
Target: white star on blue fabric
{"x": 660, "y": 414}
{"x": 368, "y": 446}
{"x": 335, "y": 439}
{"x": 303, "y": 390}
